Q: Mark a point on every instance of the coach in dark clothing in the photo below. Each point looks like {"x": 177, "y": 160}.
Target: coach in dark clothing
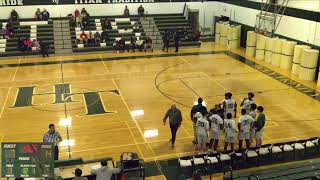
{"x": 175, "y": 119}
{"x": 197, "y": 108}
{"x": 44, "y": 49}
{"x": 176, "y": 40}
{"x": 105, "y": 36}
{"x": 141, "y": 11}
{"x": 165, "y": 39}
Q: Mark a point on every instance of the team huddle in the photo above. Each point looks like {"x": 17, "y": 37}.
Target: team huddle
{"x": 222, "y": 118}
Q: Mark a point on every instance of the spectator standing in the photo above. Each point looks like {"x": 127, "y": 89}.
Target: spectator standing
{"x": 44, "y": 49}
{"x": 165, "y": 39}
{"x": 141, "y": 11}
{"x": 97, "y": 38}
{"x": 20, "y": 44}
{"x": 38, "y": 15}
{"x": 176, "y": 40}
{"x": 76, "y": 13}
{"x": 78, "y": 173}
{"x": 84, "y": 13}
{"x": 14, "y": 16}
{"x": 79, "y": 22}
{"x": 197, "y": 36}
{"x": 107, "y": 24}
{"x": 54, "y": 137}
{"x": 45, "y": 15}
{"x": 105, "y": 172}
{"x": 175, "y": 119}
{"x": 148, "y": 44}
{"x": 126, "y": 12}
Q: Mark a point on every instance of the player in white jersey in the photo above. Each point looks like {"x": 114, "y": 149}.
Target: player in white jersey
{"x": 245, "y": 124}
{"x": 229, "y": 105}
{"x": 246, "y": 102}
{"x": 253, "y": 114}
{"x": 231, "y": 132}
{"x": 216, "y": 125}
{"x": 202, "y": 128}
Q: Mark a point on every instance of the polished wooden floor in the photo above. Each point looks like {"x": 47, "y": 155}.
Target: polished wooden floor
{"x": 147, "y": 87}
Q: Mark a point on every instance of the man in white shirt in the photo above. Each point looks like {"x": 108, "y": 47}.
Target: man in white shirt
{"x": 231, "y": 132}
{"x": 245, "y": 124}
{"x": 105, "y": 172}
{"x": 216, "y": 125}
{"x": 202, "y": 128}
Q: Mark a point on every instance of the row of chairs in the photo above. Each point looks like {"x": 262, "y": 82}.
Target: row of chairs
{"x": 252, "y": 157}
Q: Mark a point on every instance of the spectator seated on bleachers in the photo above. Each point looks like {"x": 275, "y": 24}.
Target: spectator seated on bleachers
{"x": 135, "y": 25}
{"x": 90, "y": 39}
{"x": 38, "y": 15}
{"x": 126, "y": 12}
{"x": 45, "y": 15}
{"x": 197, "y": 35}
{"x": 27, "y": 45}
{"x": 79, "y": 23}
{"x": 72, "y": 20}
{"x": 141, "y": 11}
{"x": 44, "y": 49}
{"x": 140, "y": 44}
{"x": 105, "y": 36}
{"x": 83, "y": 37}
{"x": 116, "y": 45}
{"x": 148, "y": 44}
{"x": 35, "y": 45}
{"x": 20, "y": 44}
{"x": 6, "y": 33}
{"x": 14, "y": 16}
{"x": 107, "y": 24}
{"x": 78, "y": 174}
{"x": 97, "y": 38}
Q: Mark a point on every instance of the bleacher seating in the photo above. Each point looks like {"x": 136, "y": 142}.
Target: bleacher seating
{"x": 121, "y": 28}
{"x": 173, "y": 22}
{"x": 40, "y": 30}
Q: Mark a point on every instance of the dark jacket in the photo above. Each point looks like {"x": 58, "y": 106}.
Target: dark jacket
{"x": 198, "y": 108}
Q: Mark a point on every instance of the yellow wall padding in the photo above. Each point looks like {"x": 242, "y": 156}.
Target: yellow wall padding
{"x": 218, "y": 30}
{"x": 287, "y": 54}
{"x": 260, "y": 47}
{"x": 268, "y": 51}
{"x": 276, "y": 51}
{"x": 297, "y": 58}
{"x": 224, "y": 29}
{"x": 308, "y": 64}
{"x": 251, "y": 43}
{"x": 233, "y": 37}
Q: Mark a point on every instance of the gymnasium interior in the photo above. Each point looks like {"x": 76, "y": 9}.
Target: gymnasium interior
{"x": 105, "y": 72}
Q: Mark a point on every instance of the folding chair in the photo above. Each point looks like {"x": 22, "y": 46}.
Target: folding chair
{"x": 213, "y": 163}
{"x": 288, "y": 151}
{"x": 312, "y": 147}
{"x": 276, "y": 152}
{"x": 264, "y": 154}
{"x": 252, "y": 157}
{"x": 299, "y": 149}
{"x": 186, "y": 165}
{"x": 225, "y": 158}
{"x": 238, "y": 159}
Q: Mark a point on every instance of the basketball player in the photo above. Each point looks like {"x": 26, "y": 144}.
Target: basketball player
{"x": 231, "y": 131}
{"x": 229, "y": 105}
{"x": 253, "y": 114}
{"x": 202, "y": 128}
{"x": 197, "y": 108}
{"x": 216, "y": 124}
{"x": 245, "y": 124}
{"x": 246, "y": 102}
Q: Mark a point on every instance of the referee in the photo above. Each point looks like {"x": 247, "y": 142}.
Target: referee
{"x": 175, "y": 119}
{"x": 53, "y": 137}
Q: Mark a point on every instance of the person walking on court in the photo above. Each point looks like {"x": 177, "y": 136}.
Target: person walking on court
{"x": 54, "y": 137}
{"x": 197, "y": 108}
{"x": 176, "y": 40}
{"x": 175, "y": 119}
{"x": 165, "y": 39}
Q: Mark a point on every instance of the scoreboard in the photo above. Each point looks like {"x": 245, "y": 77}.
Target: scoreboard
{"x": 34, "y": 160}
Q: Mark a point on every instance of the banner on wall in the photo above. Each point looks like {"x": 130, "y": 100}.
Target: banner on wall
{"x": 63, "y": 2}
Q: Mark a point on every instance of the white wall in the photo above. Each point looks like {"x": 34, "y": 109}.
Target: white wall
{"x": 312, "y": 5}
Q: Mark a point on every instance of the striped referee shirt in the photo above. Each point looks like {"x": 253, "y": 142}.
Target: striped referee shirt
{"x": 51, "y": 137}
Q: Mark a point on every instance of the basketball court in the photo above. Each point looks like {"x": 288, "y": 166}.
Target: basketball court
{"x": 116, "y": 102}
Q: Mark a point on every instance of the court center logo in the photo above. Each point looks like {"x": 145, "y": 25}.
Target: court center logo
{"x": 63, "y": 99}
